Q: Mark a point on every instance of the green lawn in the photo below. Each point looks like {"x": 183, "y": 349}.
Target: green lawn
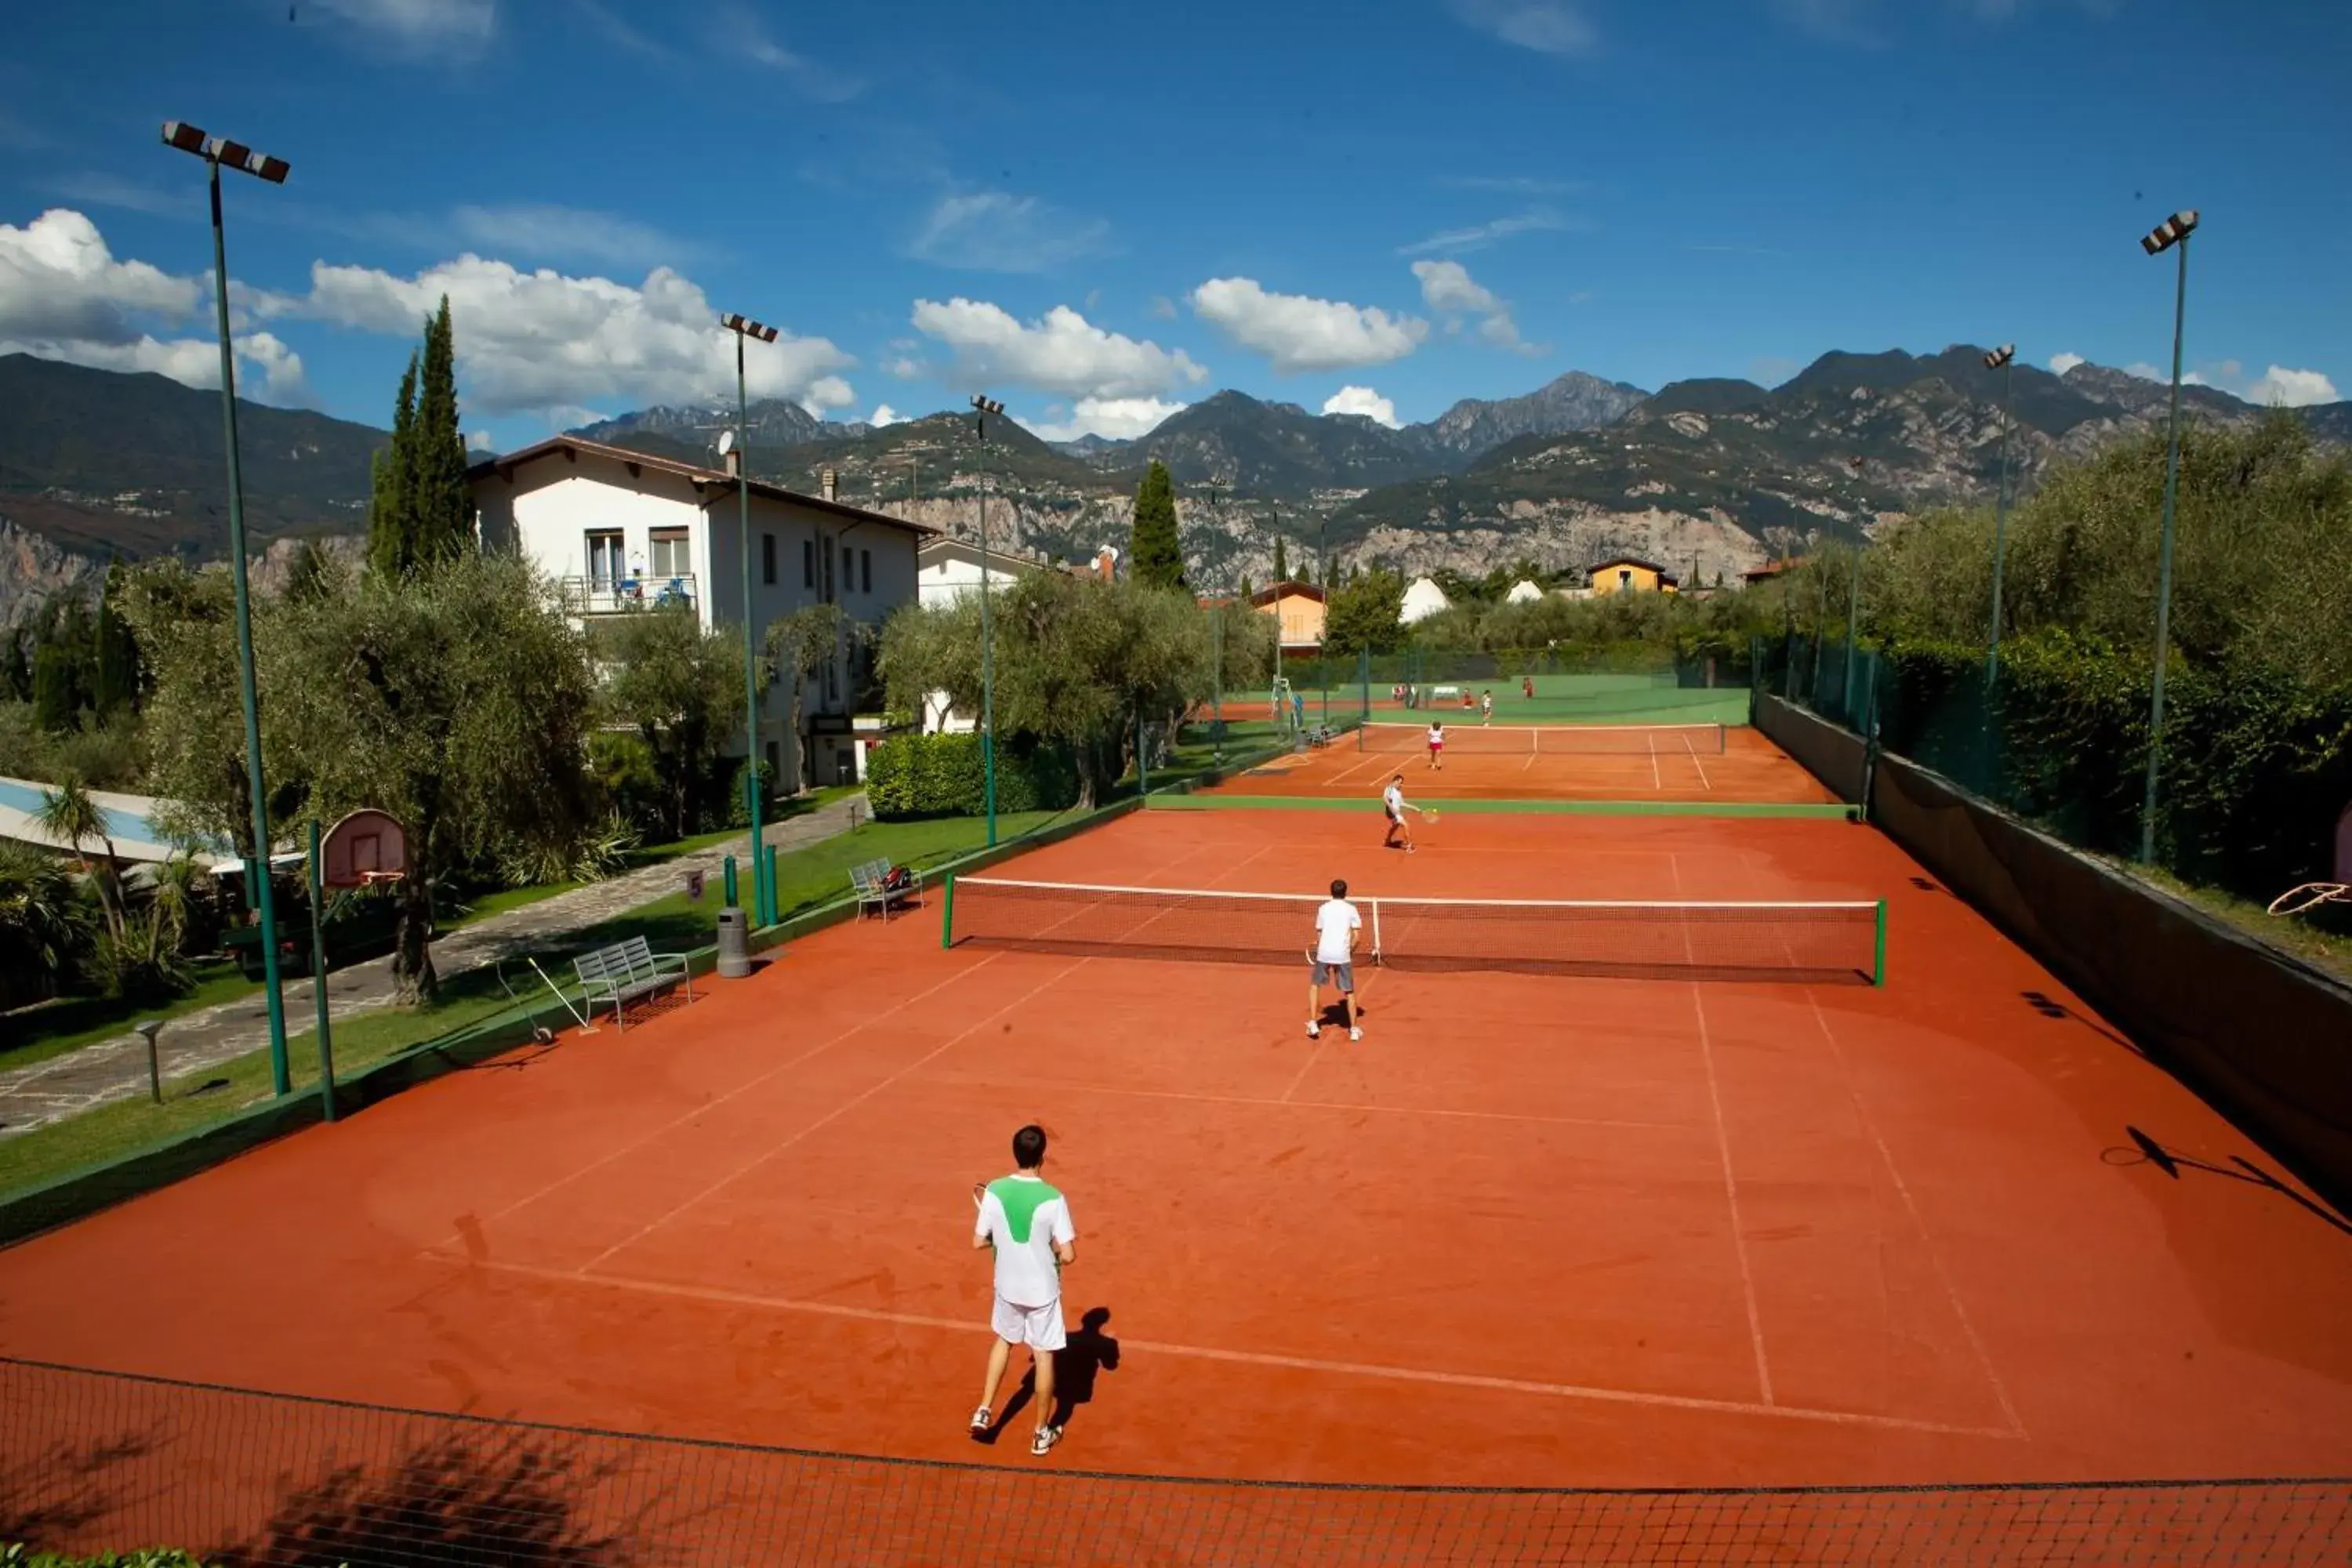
{"x": 2329, "y": 949}
{"x": 51, "y": 1028}
{"x": 805, "y": 878}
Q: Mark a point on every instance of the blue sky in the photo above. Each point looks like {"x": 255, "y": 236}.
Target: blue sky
{"x": 1099, "y": 211}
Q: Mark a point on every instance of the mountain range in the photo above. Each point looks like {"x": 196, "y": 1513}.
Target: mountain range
{"x": 1710, "y": 472}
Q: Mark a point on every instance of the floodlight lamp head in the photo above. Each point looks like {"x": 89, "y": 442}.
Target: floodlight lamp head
{"x": 726, "y": 442}
{"x": 2170, "y": 232}
{"x": 2001, "y": 356}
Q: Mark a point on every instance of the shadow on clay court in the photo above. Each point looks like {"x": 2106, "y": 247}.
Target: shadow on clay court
{"x": 1082, "y": 1360}
{"x": 2147, "y": 1151}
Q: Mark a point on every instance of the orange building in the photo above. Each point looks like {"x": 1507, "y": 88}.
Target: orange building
{"x": 1297, "y": 609}
{"x": 1630, "y": 573}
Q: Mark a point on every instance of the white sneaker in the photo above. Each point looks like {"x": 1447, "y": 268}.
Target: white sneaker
{"x": 1043, "y": 1443}
{"x": 1314, "y": 1030}
{"x": 1355, "y": 1034}
{"x": 982, "y": 1419}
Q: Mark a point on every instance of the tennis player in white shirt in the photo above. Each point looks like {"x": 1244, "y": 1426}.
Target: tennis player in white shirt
{"x": 1337, "y": 927}
{"x": 1393, "y": 803}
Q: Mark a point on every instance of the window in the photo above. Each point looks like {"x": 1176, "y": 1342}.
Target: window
{"x": 808, "y": 563}
{"x": 768, "y": 559}
{"x": 775, "y": 765}
{"x": 828, "y": 569}
{"x": 671, "y": 555}
{"x": 606, "y": 570}
{"x": 866, "y": 570}
{"x": 1624, "y": 577}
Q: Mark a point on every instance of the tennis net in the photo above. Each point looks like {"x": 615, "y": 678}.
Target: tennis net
{"x": 1814, "y": 943}
{"x": 1556, "y": 739}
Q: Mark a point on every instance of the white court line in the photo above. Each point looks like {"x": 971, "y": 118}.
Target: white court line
{"x": 1258, "y": 1358}
{"x": 835, "y": 1114}
{"x": 1657, "y": 779}
{"x": 1705, "y": 782}
{"x": 1339, "y": 1105}
{"x": 1918, "y": 1222}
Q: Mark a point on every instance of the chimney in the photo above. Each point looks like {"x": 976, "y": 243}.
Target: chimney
{"x": 734, "y": 464}
{"x": 1106, "y": 563}
{"x": 830, "y": 483}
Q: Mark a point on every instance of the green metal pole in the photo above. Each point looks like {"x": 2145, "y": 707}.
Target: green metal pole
{"x": 1878, "y": 957}
{"x": 1323, "y": 639}
{"x": 256, "y": 797}
{"x": 319, "y": 978}
{"x": 2000, "y": 530}
{"x": 1217, "y": 702}
{"x": 762, "y": 913}
{"x": 728, "y": 868}
{"x": 2164, "y": 571}
{"x": 1853, "y": 622}
{"x": 947, "y": 915}
{"x": 987, "y": 646}
{"x": 1142, "y": 756}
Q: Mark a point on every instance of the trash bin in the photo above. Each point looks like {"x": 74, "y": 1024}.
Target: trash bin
{"x": 734, "y": 955}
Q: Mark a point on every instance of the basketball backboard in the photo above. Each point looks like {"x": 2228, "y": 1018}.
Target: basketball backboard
{"x": 366, "y": 847}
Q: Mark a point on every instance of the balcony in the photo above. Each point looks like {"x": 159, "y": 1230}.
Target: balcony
{"x": 606, "y": 596}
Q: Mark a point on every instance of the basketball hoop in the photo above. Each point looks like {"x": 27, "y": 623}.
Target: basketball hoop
{"x": 364, "y": 848}
{"x": 2310, "y": 895}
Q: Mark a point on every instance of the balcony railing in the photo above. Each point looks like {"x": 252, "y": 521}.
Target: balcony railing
{"x": 607, "y": 596}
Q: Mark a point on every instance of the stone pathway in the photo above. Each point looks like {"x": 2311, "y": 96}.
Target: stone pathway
{"x": 116, "y": 1068}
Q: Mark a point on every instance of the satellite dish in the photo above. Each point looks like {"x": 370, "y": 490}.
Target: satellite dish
{"x": 726, "y": 442}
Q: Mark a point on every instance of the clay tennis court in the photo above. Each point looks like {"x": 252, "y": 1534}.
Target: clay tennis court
{"x": 1530, "y": 1231}
{"x": 1579, "y": 762}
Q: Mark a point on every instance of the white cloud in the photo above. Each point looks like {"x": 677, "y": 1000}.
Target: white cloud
{"x": 1363, "y": 400}
{"x": 541, "y": 340}
{"x": 993, "y": 231}
{"x": 64, "y": 296}
{"x": 2147, "y": 372}
{"x": 827, "y": 391}
{"x": 1447, "y": 288}
{"x": 2287, "y": 388}
{"x": 1480, "y": 236}
{"x": 544, "y": 232}
{"x": 1301, "y": 333}
{"x": 419, "y": 21}
{"x": 1546, "y": 26}
{"x": 480, "y": 441}
{"x": 1162, "y": 307}
{"x": 883, "y": 416}
{"x": 2060, "y": 363}
{"x": 905, "y": 367}
{"x": 737, "y": 30}
{"x": 1118, "y": 418}
{"x": 1515, "y": 185}
{"x": 1062, "y": 352}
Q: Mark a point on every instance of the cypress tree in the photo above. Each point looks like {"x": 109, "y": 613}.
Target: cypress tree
{"x": 54, "y": 701}
{"x": 1281, "y": 561}
{"x": 16, "y": 667}
{"x": 116, "y": 687}
{"x": 1158, "y": 558}
{"x": 439, "y": 497}
{"x": 391, "y": 548}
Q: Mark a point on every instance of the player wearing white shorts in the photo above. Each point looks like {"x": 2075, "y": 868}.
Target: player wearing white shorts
{"x": 1028, "y": 1224}
{"x": 1393, "y": 803}
{"x": 1436, "y": 746}
{"x": 1337, "y": 928}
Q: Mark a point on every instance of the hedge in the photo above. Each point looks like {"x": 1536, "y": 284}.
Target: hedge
{"x": 945, "y": 775}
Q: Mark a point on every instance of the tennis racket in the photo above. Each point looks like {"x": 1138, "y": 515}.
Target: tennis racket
{"x": 978, "y": 1192}
{"x": 2310, "y": 895}
{"x": 1428, "y": 816}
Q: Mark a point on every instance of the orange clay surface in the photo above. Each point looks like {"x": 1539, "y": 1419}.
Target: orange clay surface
{"x": 1748, "y": 768}
{"x": 1528, "y": 1231}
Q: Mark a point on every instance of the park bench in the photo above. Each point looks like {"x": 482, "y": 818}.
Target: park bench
{"x": 871, "y": 881}
{"x": 625, "y": 972}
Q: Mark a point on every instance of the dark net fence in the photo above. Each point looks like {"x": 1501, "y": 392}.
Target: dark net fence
{"x": 94, "y": 1461}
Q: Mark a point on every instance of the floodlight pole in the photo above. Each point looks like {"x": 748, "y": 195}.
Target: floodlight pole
{"x": 1323, "y": 639}
{"x": 1854, "y": 598}
{"x": 981, "y": 408}
{"x": 763, "y": 897}
{"x": 2172, "y": 234}
{"x": 214, "y": 150}
{"x": 2005, "y": 359}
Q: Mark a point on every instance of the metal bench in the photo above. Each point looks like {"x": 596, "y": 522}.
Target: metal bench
{"x": 871, "y": 882}
{"x": 625, "y": 972}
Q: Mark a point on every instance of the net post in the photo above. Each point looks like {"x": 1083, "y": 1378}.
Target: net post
{"x": 946, "y": 913}
{"x": 728, "y": 872}
{"x": 318, "y": 978}
{"x": 1376, "y": 928}
{"x": 1878, "y": 954}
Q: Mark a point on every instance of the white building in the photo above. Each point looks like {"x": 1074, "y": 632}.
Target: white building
{"x": 1422, "y": 600}
{"x": 949, "y": 569}
{"x": 1523, "y": 592}
{"x": 621, "y": 530}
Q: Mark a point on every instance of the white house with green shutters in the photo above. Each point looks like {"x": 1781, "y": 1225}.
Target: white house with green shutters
{"x": 619, "y": 532}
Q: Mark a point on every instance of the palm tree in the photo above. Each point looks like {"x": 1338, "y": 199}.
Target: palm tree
{"x": 69, "y": 813}
{"x": 44, "y": 927}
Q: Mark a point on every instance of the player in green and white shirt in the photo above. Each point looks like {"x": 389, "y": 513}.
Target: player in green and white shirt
{"x": 1028, "y": 1224}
